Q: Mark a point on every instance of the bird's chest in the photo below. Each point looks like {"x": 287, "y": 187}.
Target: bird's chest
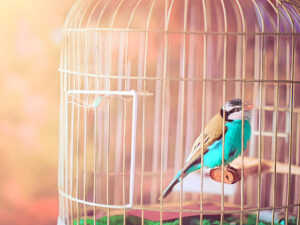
{"x": 234, "y": 140}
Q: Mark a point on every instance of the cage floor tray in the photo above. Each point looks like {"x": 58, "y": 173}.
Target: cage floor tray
{"x": 155, "y": 215}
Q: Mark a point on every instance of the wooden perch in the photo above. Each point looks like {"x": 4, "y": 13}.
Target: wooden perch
{"x": 232, "y": 173}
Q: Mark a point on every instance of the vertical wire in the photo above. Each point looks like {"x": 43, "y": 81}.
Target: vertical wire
{"x": 264, "y": 99}
{"x": 119, "y": 119}
{"x": 107, "y": 159}
{"x": 124, "y": 132}
{"x": 162, "y": 134}
{"x": 97, "y": 87}
{"x": 157, "y": 107}
{"x": 238, "y": 61}
{"x": 79, "y": 18}
{"x": 85, "y": 115}
{"x": 102, "y": 57}
{"x": 253, "y": 148}
{"x": 144, "y": 110}
{"x": 274, "y": 123}
{"x": 182, "y": 106}
{"x": 287, "y": 96}
{"x": 224, "y": 100}
{"x": 203, "y": 105}
{"x": 98, "y": 25}
{"x": 238, "y": 50}
{"x": 143, "y": 145}
{"x": 72, "y": 125}
{"x": 78, "y": 131}
{"x": 95, "y": 157}
{"x": 124, "y": 158}
{"x": 75, "y": 18}
{"x": 297, "y": 152}
{"x": 66, "y": 148}
{"x": 125, "y": 110}
{"x": 243, "y": 97}
{"x": 260, "y": 128}
{"x": 191, "y": 120}
{"x": 63, "y": 56}
{"x": 108, "y": 120}
{"x": 276, "y": 112}
{"x": 107, "y": 87}
{"x": 155, "y": 132}
{"x": 62, "y": 137}
{"x": 167, "y": 17}
{"x": 291, "y": 112}
{"x": 85, "y": 135}
{"x": 262, "y": 66}
{"x": 163, "y": 110}
{"x": 78, "y": 119}
{"x": 85, "y": 164}
{"x": 108, "y": 146}
{"x": 72, "y": 132}
{"x": 69, "y": 151}
{"x": 63, "y": 125}
{"x": 276, "y": 64}
{"x": 297, "y": 181}
{"x": 156, "y": 128}
{"x": 95, "y": 115}
{"x": 167, "y": 14}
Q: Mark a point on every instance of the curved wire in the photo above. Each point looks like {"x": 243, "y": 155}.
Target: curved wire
{"x": 291, "y": 112}
{"x": 92, "y": 12}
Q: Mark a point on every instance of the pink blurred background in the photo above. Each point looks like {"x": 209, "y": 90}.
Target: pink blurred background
{"x": 30, "y": 36}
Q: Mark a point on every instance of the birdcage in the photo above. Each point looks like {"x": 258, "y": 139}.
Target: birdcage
{"x": 140, "y": 80}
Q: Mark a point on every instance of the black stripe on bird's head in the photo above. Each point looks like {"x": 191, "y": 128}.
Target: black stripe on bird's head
{"x": 233, "y": 110}
{"x": 236, "y": 102}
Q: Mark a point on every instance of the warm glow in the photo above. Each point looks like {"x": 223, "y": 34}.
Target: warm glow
{"x": 30, "y": 44}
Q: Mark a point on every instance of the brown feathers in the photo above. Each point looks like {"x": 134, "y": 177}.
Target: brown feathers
{"x": 212, "y": 132}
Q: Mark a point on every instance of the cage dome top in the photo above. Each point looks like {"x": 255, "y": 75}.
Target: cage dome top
{"x": 232, "y": 16}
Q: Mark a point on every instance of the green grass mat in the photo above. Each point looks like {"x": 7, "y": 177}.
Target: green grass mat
{"x": 132, "y": 220}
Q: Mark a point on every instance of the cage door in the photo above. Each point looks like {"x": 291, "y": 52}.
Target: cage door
{"x": 101, "y": 147}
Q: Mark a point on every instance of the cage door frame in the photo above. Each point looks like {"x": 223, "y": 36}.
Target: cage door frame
{"x": 133, "y": 143}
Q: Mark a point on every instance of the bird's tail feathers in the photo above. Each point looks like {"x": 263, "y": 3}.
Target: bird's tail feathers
{"x": 170, "y": 187}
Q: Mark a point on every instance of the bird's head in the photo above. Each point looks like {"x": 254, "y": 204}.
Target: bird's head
{"x": 233, "y": 110}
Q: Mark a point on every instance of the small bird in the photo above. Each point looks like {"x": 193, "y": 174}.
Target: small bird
{"x": 213, "y": 140}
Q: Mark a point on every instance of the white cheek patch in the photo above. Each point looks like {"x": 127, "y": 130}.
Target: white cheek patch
{"x": 228, "y": 107}
{"x": 235, "y": 116}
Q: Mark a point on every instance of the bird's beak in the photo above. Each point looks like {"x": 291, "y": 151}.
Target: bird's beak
{"x": 248, "y": 107}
